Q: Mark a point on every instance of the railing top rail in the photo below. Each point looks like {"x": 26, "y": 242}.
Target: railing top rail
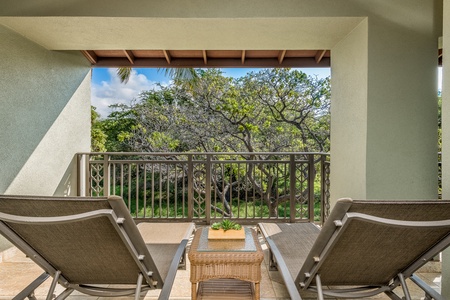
{"x": 173, "y": 162}
{"x": 202, "y": 153}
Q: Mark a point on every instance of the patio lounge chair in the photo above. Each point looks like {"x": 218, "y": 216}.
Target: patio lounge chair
{"x": 92, "y": 245}
{"x": 364, "y": 248}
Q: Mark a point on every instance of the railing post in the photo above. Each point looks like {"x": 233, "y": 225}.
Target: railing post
{"x": 311, "y": 177}
{"x": 292, "y": 188}
{"x": 325, "y": 201}
{"x": 208, "y": 189}
{"x": 87, "y": 175}
{"x": 106, "y": 176}
{"x": 190, "y": 174}
{"x": 322, "y": 189}
{"x": 82, "y": 174}
{"x": 79, "y": 177}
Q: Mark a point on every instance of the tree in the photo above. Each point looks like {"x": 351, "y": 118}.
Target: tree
{"x": 119, "y": 126}
{"x": 299, "y": 100}
{"x": 270, "y": 111}
{"x": 98, "y": 137}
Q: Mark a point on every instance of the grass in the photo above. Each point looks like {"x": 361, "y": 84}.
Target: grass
{"x": 245, "y": 210}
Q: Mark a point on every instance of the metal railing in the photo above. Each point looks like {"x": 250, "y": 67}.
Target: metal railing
{"x": 207, "y": 187}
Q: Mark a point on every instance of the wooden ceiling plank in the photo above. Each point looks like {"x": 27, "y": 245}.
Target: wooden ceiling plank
{"x": 281, "y": 55}
{"x": 167, "y": 56}
{"x": 205, "y": 57}
{"x": 90, "y": 55}
{"x": 243, "y": 57}
{"x": 305, "y": 62}
{"x": 319, "y": 55}
{"x": 130, "y": 56}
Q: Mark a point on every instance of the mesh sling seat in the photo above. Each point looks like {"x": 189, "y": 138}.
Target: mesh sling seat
{"x": 92, "y": 245}
{"x": 364, "y": 248}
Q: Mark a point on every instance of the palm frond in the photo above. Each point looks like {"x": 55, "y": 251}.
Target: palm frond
{"x": 185, "y": 74}
{"x": 124, "y": 74}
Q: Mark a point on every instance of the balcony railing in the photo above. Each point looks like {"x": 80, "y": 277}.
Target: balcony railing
{"x": 207, "y": 187}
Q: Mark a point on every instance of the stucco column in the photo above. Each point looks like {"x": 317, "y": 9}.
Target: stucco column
{"x": 384, "y": 114}
{"x": 349, "y": 115}
{"x": 384, "y": 111}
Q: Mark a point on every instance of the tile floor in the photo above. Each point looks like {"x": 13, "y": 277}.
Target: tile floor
{"x": 16, "y": 271}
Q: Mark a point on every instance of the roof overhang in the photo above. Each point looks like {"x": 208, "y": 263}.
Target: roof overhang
{"x": 189, "y": 42}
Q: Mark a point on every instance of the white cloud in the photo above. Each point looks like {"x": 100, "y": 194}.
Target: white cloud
{"x": 113, "y": 92}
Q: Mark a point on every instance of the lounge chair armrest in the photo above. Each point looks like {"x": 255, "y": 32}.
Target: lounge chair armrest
{"x": 283, "y": 269}
{"x": 170, "y": 278}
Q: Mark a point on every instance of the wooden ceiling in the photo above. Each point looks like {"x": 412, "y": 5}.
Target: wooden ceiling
{"x": 209, "y": 58}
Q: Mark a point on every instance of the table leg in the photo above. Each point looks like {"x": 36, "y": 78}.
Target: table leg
{"x": 194, "y": 291}
{"x": 257, "y": 291}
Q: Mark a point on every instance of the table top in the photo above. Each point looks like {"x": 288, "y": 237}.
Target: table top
{"x": 223, "y": 254}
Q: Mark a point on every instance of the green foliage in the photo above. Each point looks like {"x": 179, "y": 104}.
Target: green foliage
{"x": 226, "y": 224}
{"x": 98, "y": 136}
{"x": 118, "y": 127}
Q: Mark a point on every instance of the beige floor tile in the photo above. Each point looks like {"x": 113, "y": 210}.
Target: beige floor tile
{"x": 432, "y": 279}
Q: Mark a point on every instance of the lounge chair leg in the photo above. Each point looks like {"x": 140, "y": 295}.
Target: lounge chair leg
{"x": 31, "y": 296}
{"x": 28, "y": 292}
{"x": 272, "y": 263}
{"x": 319, "y": 288}
{"x": 53, "y": 285}
{"x": 137, "y": 294}
{"x": 182, "y": 264}
{"x": 404, "y": 286}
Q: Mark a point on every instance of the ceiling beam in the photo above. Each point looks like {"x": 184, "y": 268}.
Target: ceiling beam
{"x": 319, "y": 55}
{"x": 90, "y": 55}
{"x": 281, "y": 55}
{"x": 167, "y": 56}
{"x": 243, "y": 57}
{"x": 205, "y": 57}
{"x": 289, "y": 62}
{"x": 129, "y": 54}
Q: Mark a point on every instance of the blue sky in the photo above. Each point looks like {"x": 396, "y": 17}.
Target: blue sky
{"x": 107, "y": 88}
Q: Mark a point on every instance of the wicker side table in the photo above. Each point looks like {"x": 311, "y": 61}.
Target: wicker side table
{"x": 232, "y": 262}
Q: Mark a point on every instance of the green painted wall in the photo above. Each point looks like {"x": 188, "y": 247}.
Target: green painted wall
{"x": 349, "y": 115}
{"x": 44, "y": 115}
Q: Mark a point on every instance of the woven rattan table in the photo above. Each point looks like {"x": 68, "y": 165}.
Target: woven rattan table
{"x": 225, "y": 259}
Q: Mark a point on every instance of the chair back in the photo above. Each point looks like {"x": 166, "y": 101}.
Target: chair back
{"x": 371, "y": 242}
{"x": 90, "y": 240}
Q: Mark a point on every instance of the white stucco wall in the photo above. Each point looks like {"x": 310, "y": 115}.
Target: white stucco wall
{"x": 44, "y": 116}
